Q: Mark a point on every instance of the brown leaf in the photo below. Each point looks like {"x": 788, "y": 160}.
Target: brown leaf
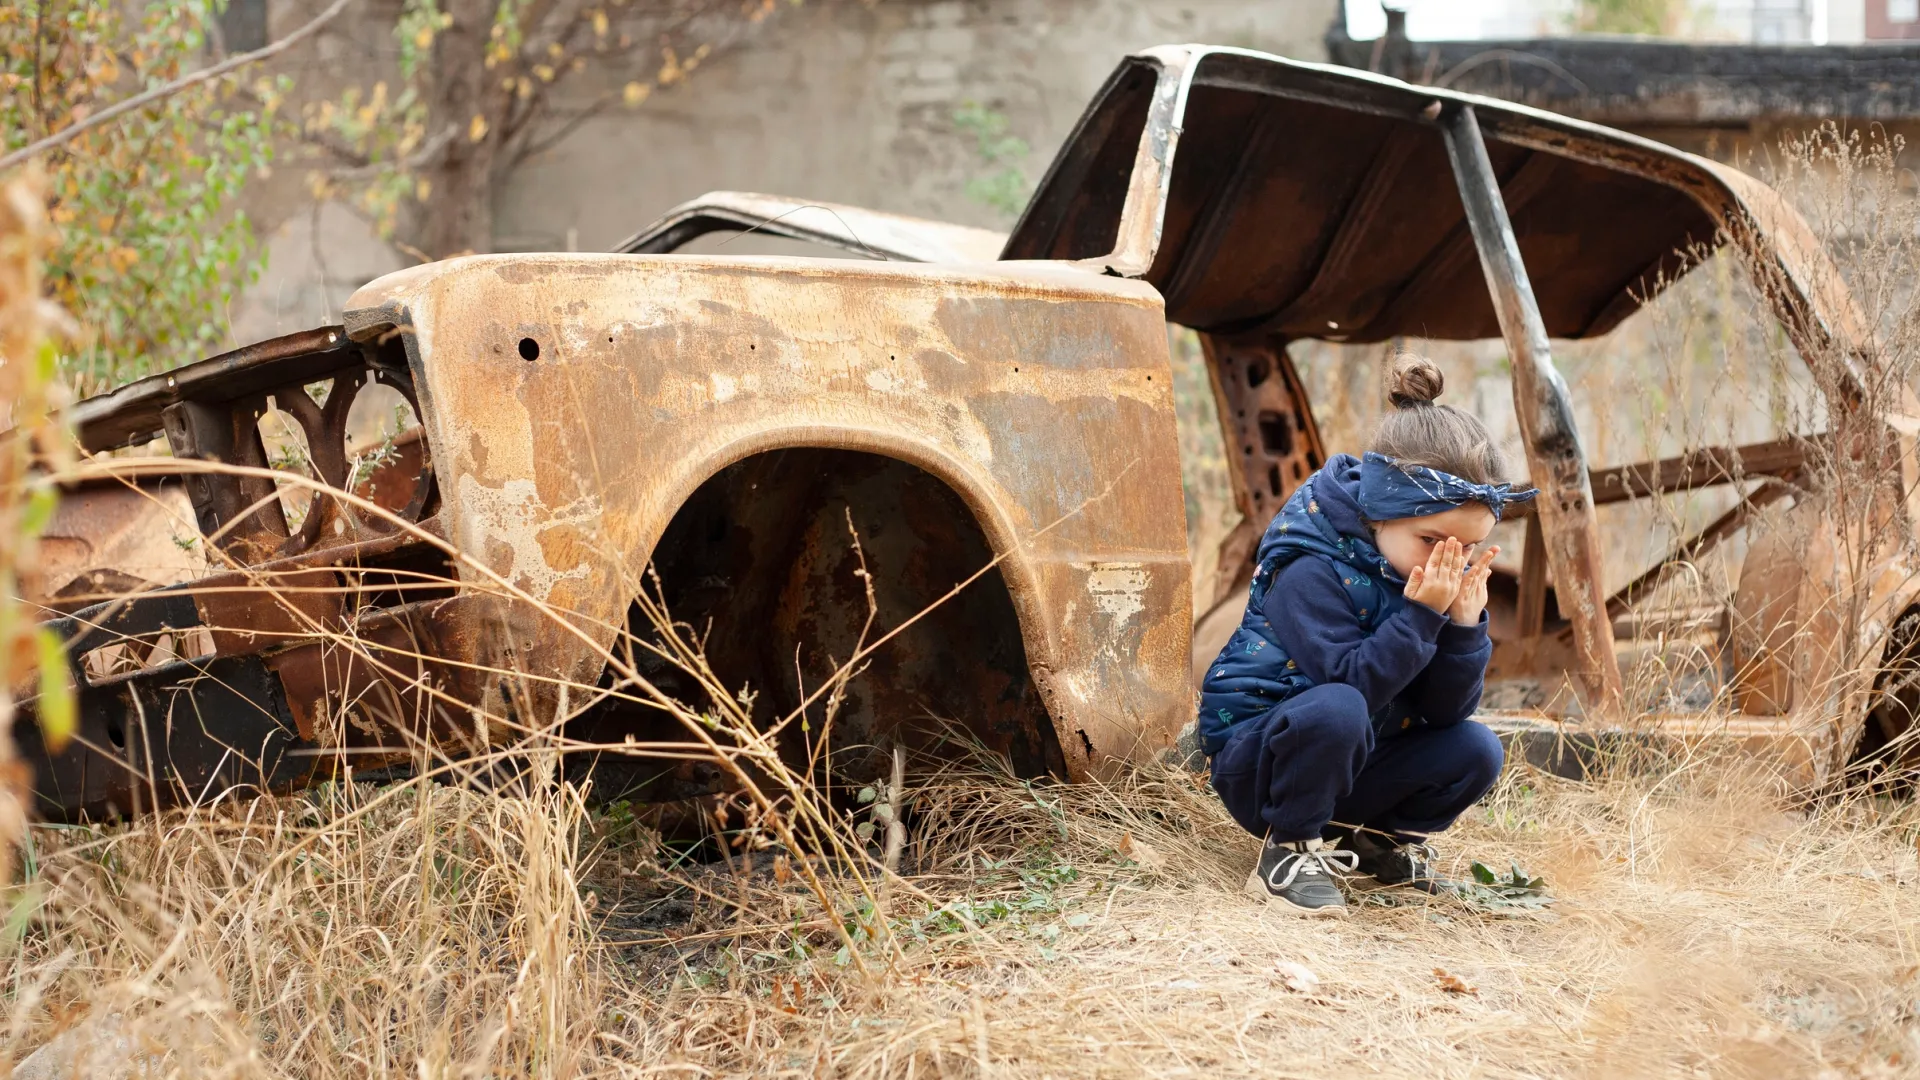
{"x": 1139, "y": 851}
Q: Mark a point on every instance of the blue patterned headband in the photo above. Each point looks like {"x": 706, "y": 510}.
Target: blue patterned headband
{"x": 1390, "y": 490}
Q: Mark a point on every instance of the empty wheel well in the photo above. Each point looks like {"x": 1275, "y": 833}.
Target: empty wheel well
{"x": 761, "y": 561}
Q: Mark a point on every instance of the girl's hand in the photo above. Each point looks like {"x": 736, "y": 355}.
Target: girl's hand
{"x": 1472, "y": 600}
{"x": 1437, "y": 584}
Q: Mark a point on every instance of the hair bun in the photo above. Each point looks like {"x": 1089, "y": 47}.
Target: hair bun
{"x": 1416, "y": 381}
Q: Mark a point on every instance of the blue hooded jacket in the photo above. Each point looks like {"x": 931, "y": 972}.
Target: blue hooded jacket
{"x": 1326, "y": 607}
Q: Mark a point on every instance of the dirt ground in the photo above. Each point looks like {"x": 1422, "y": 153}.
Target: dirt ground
{"x": 1699, "y": 926}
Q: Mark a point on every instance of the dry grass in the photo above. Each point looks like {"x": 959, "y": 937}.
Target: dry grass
{"x": 426, "y": 930}
{"x": 1705, "y": 924}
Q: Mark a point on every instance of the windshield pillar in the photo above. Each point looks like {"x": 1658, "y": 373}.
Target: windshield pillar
{"x": 1555, "y": 458}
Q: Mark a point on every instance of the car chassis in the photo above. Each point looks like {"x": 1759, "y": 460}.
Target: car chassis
{"x": 1256, "y": 200}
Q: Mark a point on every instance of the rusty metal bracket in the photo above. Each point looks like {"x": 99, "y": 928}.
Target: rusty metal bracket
{"x": 1272, "y": 441}
{"x": 185, "y": 733}
{"x": 1545, "y": 411}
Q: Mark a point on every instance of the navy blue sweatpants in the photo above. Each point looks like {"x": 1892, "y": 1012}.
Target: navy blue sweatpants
{"x": 1313, "y": 766}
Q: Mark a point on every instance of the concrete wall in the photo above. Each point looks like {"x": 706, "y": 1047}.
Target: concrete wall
{"x": 851, "y": 102}
{"x": 842, "y": 100}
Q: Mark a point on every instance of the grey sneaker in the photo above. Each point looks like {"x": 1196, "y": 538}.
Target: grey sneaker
{"x": 1300, "y": 876}
{"x": 1391, "y": 863}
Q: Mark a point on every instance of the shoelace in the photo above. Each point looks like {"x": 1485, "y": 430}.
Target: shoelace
{"x": 1420, "y": 859}
{"x": 1314, "y": 861}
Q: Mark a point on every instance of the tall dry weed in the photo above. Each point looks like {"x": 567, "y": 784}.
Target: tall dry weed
{"x": 30, "y": 432}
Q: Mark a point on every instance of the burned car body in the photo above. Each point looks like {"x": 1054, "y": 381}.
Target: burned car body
{"x": 721, "y": 420}
{"x": 724, "y": 427}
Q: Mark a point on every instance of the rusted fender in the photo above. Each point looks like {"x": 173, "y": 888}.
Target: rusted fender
{"x": 573, "y": 402}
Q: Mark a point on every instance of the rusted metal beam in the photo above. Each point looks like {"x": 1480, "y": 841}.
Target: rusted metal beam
{"x": 1272, "y": 442}
{"x": 1554, "y": 455}
{"x": 1701, "y": 468}
{"x": 133, "y": 413}
{"x": 1532, "y": 610}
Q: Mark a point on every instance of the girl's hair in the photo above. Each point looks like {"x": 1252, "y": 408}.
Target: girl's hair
{"x": 1418, "y": 432}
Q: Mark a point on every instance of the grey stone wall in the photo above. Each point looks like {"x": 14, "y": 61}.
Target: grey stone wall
{"x": 854, "y": 102}
{"x": 847, "y": 101}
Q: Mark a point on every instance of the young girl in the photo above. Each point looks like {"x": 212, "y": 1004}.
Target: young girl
{"x": 1338, "y": 710}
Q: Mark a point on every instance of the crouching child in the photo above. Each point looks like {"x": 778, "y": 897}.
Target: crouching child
{"x": 1336, "y": 718}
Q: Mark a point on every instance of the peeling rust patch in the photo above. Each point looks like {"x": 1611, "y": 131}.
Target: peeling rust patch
{"x": 1118, "y": 589}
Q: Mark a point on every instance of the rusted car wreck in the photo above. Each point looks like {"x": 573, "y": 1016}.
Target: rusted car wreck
{"x": 586, "y": 421}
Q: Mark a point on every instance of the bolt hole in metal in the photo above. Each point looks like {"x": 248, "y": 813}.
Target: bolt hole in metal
{"x": 529, "y": 349}
{"x": 1275, "y": 434}
{"x": 116, "y": 734}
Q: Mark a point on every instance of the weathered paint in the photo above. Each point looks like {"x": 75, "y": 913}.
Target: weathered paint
{"x": 1040, "y": 394}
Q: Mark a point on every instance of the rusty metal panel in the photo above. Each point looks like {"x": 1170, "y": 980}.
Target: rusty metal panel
{"x": 255, "y": 611}
{"x": 575, "y": 402}
{"x": 388, "y": 689}
{"x": 1272, "y": 442}
{"x": 110, "y": 539}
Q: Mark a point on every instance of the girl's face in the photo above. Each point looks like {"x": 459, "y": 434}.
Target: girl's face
{"x": 1406, "y": 542}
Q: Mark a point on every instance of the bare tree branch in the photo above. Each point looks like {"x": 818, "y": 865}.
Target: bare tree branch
{"x": 572, "y": 20}
{"x": 518, "y": 142}
{"x": 531, "y": 147}
{"x": 160, "y": 93}
{"x": 39, "y": 36}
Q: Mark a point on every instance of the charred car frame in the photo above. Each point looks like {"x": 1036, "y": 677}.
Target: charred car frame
{"x": 586, "y": 422}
